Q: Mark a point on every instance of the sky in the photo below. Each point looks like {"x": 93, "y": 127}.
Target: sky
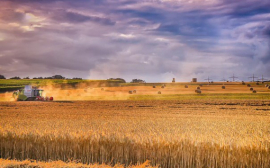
{"x": 153, "y": 40}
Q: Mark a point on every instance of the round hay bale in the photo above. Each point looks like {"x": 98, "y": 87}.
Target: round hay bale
{"x": 162, "y": 87}
{"x": 200, "y": 85}
{"x": 243, "y": 83}
{"x": 248, "y": 85}
{"x": 254, "y": 91}
{"x": 134, "y": 91}
{"x": 257, "y": 83}
{"x": 251, "y": 89}
{"x": 154, "y": 86}
{"x": 159, "y": 92}
{"x": 223, "y": 87}
{"x": 186, "y": 86}
{"x": 198, "y": 91}
{"x": 266, "y": 85}
{"x": 102, "y": 88}
{"x": 198, "y": 88}
{"x": 130, "y": 92}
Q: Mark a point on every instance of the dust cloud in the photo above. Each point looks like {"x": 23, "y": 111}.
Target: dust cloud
{"x": 83, "y": 92}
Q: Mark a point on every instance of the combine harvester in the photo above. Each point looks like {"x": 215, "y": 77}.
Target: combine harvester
{"x": 30, "y": 93}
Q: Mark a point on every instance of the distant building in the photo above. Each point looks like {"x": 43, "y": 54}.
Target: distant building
{"x": 173, "y": 80}
{"x": 194, "y": 79}
{"x": 137, "y": 81}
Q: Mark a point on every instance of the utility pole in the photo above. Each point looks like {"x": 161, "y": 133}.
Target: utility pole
{"x": 262, "y": 78}
{"x": 233, "y": 77}
{"x": 253, "y": 77}
{"x": 208, "y": 79}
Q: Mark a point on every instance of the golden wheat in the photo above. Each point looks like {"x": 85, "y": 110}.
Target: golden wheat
{"x": 167, "y": 133}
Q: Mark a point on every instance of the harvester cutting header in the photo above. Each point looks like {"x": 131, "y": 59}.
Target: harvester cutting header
{"x": 30, "y": 93}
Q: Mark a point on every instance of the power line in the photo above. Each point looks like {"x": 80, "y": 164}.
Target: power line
{"x": 233, "y": 77}
{"x": 253, "y": 77}
{"x": 208, "y": 79}
{"x": 262, "y": 79}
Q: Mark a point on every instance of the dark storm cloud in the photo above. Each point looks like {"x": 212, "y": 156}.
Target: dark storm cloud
{"x": 154, "y": 40}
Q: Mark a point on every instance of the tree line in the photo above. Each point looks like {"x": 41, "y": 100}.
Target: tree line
{"x": 52, "y": 77}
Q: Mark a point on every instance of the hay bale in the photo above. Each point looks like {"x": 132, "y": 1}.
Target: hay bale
{"x": 266, "y": 85}
{"x": 198, "y": 88}
{"x": 251, "y": 89}
{"x": 200, "y": 85}
{"x": 257, "y": 83}
{"x": 154, "y": 86}
{"x": 243, "y": 83}
{"x": 134, "y": 91}
{"x": 254, "y": 91}
{"x": 159, "y": 92}
{"x": 162, "y": 87}
{"x": 130, "y": 92}
{"x": 198, "y": 91}
{"x": 248, "y": 85}
{"x": 223, "y": 87}
{"x": 102, "y": 88}
{"x": 186, "y": 86}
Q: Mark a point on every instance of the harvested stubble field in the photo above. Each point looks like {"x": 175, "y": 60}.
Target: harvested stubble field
{"x": 168, "y": 133}
{"x": 174, "y": 91}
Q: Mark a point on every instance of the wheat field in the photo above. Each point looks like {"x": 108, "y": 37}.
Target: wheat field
{"x": 170, "y": 133}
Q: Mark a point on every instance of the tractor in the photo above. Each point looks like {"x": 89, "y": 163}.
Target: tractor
{"x": 30, "y": 93}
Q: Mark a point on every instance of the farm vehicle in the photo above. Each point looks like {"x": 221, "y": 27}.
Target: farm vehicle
{"x": 30, "y": 93}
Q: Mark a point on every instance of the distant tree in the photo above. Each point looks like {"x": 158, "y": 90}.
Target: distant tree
{"x": 77, "y": 78}
{"x": 26, "y": 77}
{"x": 118, "y": 79}
{"x": 15, "y": 77}
{"x": 2, "y": 77}
{"x": 137, "y": 81}
{"x": 48, "y": 78}
{"x": 58, "y": 77}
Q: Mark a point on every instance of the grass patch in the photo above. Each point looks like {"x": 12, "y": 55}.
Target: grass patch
{"x": 15, "y": 84}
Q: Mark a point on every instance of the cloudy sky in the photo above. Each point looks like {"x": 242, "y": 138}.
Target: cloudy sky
{"x": 154, "y": 40}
